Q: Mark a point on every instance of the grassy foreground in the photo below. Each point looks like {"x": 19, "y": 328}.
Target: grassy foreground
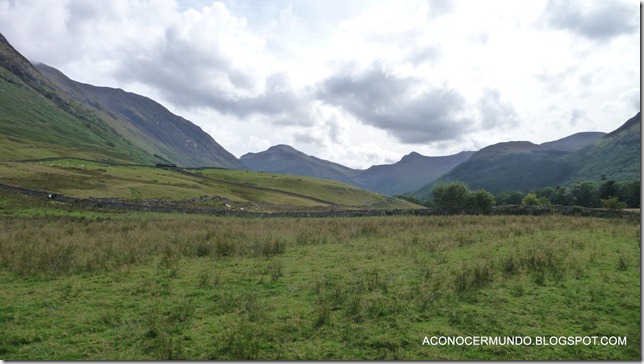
{"x": 196, "y": 287}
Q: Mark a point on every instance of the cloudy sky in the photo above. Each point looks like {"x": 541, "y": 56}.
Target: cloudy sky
{"x": 355, "y": 82}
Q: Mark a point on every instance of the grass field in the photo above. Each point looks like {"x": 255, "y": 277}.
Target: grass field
{"x": 100, "y": 285}
{"x": 206, "y": 188}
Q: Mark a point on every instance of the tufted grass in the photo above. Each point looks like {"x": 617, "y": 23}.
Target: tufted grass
{"x": 154, "y": 287}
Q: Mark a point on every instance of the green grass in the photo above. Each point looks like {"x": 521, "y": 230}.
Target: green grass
{"x": 32, "y": 126}
{"x": 213, "y": 188}
{"x": 150, "y": 286}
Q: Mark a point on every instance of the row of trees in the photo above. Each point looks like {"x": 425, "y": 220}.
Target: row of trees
{"x": 456, "y": 197}
{"x": 583, "y": 193}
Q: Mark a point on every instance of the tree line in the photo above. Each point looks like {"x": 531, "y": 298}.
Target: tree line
{"x": 456, "y": 197}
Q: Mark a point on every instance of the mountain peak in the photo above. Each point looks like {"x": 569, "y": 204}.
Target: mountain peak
{"x": 16, "y": 63}
{"x": 411, "y": 157}
{"x": 283, "y": 148}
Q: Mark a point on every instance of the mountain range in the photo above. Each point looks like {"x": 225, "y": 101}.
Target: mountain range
{"x": 524, "y": 166}
{"x": 45, "y": 114}
{"x": 410, "y": 173}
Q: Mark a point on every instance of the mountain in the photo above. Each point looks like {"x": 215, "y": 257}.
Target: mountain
{"x": 37, "y": 121}
{"x": 148, "y": 124}
{"x": 411, "y": 172}
{"x": 524, "y": 166}
{"x": 617, "y": 155}
{"x": 575, "y": 142}
{"x": 286, "y": 159}
{"x": 45, "y": 114}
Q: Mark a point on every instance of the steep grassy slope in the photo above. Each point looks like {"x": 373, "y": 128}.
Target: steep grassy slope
{"x": 37, "y": 121}
{"x": 147, "y": 124}
{"x": 616, "y": 155}
{"x": 51, "y": 115}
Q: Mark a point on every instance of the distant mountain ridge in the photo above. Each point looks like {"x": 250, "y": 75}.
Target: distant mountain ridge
{"x": 524, "y": 166}
{"x": 286, "y": 159}
{"x": 411, "y": 172}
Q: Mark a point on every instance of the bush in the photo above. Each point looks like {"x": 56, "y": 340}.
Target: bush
{"x": 481, "y": 201}
{"x": 613, "y": 203}
{"x": 452, "y": 197}
{"x": 530, "y": 199}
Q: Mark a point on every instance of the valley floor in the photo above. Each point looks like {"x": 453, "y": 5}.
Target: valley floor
{"x": 101, "y": 286}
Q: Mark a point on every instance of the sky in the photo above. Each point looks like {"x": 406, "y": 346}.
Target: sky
{"x": 354, "y": 82}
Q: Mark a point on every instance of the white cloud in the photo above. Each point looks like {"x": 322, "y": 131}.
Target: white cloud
{"x": 355, "y": 82}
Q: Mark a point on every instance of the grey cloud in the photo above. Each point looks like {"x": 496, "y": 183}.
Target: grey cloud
{"x": 438, "y": 8}
{"x": 600, "y": 20}
{"x": 425, "y": 54}
{"x": 554, "y": 82}
{"x": 307, "y": 139}
{"x": 387, "y": 102}
{"x": 189, "y": 76}
{"x": 494, "y": 112}
{"x": 576, "y": 115}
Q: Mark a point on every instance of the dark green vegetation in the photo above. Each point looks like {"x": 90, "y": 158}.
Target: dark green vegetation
{"x": 456, "y": 198}
{"x": 91, "y": 284}
{"x": 582, "y": 193}
{"x": 45, "y": 114}
{"x": 524, "y": 166}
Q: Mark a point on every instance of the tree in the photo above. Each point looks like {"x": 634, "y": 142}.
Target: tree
{"x": 629, "y": 192}
{"x": 561, "y": 196}
{"x": 530, "y": 199}
{"x": 607, "y": 189}
{"x": 509, "y": 198}
{"x": 451, "y": 197}
{"x": 548, "y": 193}
{"x": 481, "y": 201}
{"x": 584, "y": 194}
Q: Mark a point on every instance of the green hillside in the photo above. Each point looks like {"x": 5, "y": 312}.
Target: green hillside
{"x": 35, "y": 125}
{"x": 200, "y": 188}
{"x": 616, "y": 156}
{"x": 146, "y": 124}
{"x": 524, "y": 166}
{"x": 45, "y": 114}
{"x": 37, "y": 120}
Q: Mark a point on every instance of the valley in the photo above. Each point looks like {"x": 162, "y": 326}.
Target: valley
{"x": 128, "y": 233}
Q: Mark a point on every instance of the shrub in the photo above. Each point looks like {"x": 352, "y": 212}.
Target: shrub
{"x": 452, "y": 197}
{"x": 613, "y": 203}
{"x": 530, "y": 199}
{"x": 481, "y": 201}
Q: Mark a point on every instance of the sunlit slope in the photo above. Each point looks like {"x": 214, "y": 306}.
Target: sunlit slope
{"x": 208, "y": 188}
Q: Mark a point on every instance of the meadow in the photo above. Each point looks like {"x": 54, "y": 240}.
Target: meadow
{"x": 199, "y": 187}
{"x": 100, "y": 285}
